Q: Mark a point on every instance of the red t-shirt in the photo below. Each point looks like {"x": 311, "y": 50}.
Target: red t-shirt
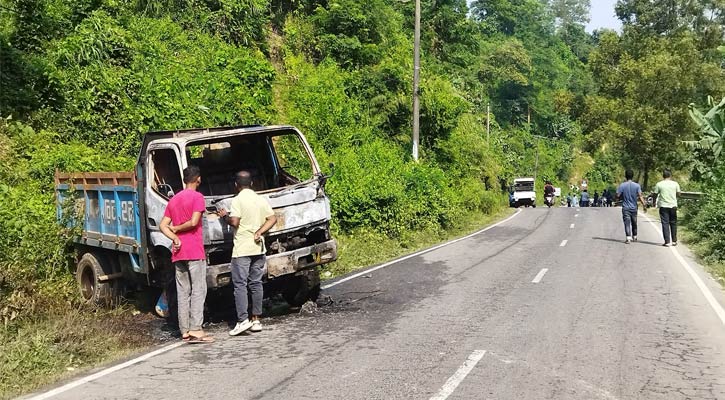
{"x": 180, "y": 209}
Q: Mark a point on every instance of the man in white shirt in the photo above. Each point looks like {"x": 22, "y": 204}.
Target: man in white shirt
{"x": 667, "y": 191}
{"x": 252, "y": 216}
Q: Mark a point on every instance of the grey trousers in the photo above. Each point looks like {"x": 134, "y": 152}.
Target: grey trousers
{"x": 247, "y": 272}
{"x": 630, "y": 222}
{"x": 191, "y": 294}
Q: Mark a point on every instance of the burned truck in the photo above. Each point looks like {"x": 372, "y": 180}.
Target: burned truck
{"x": 119, "y": 245}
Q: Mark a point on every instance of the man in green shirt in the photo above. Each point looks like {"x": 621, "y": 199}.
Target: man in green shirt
{"x": 252, "y": 216}
{"x": 667, "y": 191}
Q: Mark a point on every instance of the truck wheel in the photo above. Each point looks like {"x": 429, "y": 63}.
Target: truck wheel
{"x": 92, "y": 290}
{"x": 301, "y": 288}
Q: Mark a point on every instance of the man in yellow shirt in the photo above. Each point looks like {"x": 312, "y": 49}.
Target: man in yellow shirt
{"x": 667, "y": 191}
{"x": 252, "y": 216}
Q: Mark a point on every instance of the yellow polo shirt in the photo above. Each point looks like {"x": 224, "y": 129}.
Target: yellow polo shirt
{"x": 252, "y": 211}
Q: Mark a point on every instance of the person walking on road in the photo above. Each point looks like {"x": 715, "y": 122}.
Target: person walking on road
{"x": 252, "y": 216}
{"x": 629, "y": 192}
{"x": 585, "y": 199}
{"x": 182, "y": 224}
{"x": 667, "y": 191}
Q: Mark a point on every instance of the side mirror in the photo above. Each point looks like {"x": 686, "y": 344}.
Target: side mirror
{"x": 323, "y": 178}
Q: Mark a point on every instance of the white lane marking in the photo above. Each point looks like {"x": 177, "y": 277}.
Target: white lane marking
{"x": 576, "y": 215}
{"x": 578, "y": 209}
{"x": 700, "y": 284}
{"x": 409, "y": 256}
{"x": 105, "y": 372}
{"x": 563, "y": 243}
{"x": 146, "y": 356}
{"x": 452, "y": 383}
{"x": 571, "y": 226}
{"x": 540, "y": 275}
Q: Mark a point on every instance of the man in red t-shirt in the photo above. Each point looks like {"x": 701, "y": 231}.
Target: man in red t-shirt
{"x": 182, "y": 224}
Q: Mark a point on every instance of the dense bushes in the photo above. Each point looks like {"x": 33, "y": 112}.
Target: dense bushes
{"x": 33, "y": 254}
{"x": 118, "y": 79}
{"x": 706, "y": 218}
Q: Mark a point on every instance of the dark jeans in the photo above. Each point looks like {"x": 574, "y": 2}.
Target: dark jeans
{"x": 247, "y": 272}
{"x": 630, "y": 221}
{"x": 668, "y": 217}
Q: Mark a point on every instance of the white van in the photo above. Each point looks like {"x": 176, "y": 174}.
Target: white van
{"x": 524, "y": 193}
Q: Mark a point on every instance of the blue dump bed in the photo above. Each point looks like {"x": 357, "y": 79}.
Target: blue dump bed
{"x": 107, "y": 206}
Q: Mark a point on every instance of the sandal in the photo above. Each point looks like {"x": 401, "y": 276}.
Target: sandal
{"x": 203, "y": 339}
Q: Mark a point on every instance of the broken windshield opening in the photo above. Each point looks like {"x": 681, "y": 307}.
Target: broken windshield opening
{"x": 274, "y": 160}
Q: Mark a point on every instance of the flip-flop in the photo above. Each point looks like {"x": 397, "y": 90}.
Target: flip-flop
{"x": 204, "y": 339}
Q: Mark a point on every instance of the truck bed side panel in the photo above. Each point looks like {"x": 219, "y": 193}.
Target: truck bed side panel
{"x": 110, "y": 208}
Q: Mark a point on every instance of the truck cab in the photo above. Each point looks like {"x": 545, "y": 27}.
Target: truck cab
{"x": 523, "y": 193}
{"x": 284, "y": 171}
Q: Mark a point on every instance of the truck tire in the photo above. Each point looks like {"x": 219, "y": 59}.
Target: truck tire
{"x": 92, "y": 290}
{"x": 302, "y": 288}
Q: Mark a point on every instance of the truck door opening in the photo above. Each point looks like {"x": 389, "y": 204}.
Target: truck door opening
{"x": 165, "y": 173}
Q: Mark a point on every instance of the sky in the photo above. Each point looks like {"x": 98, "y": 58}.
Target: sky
{"x": 603, "y": 15}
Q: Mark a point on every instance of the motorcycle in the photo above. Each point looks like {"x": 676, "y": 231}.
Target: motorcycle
{"x": 549, "y": 200}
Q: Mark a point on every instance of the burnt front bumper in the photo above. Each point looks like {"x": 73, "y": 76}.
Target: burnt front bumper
{"x": 281, "y": 264}
{"x": 292, "y": 261}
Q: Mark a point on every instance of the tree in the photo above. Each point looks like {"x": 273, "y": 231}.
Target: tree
{"x": 570, "y": 12}
{"x": 509, "y": 16}
{"x": 712, "y": 128}
{"x": 640, "y": 107}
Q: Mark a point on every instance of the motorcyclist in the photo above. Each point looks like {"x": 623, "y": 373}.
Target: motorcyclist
{"x": 549, "y": 191}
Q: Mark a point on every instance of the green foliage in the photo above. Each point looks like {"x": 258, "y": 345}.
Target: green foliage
{"x": 376, "y": 188}
{"x": 706, "y": 219}
{"x": 712, "y": 128}
{"x": 88, "y": 78}
{"x": 636, "y": 111}
{"x": 318, "y": 103}
{"x": 241, "y": 22}
{"x": 33, "y": 253}
{"x": 120, "y": 81}
{"x": 352, "y": 32}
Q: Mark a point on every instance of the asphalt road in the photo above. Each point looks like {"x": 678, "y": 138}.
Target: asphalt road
{"x": 466, "y": 321}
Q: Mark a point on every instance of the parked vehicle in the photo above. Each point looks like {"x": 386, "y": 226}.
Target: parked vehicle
{"x": 524, "y": 194}
{"x": 120, "y": 246}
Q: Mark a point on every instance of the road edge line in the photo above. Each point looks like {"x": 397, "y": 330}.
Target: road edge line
{"x": 409, "y": 256}
{"x": 144, "y": 357}
{"x": 102, "y": 373}
{"x": 714, "y": 304}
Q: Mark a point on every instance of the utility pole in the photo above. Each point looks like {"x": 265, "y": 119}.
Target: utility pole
{"x": 536, "y": 166}
{"x": 488, "y": 125}
{"x": 416, "y": 78}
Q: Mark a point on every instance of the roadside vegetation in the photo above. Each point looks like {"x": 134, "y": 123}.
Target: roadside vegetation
{"x": 705, "y": 219}
{"x": 81, "y": 82}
